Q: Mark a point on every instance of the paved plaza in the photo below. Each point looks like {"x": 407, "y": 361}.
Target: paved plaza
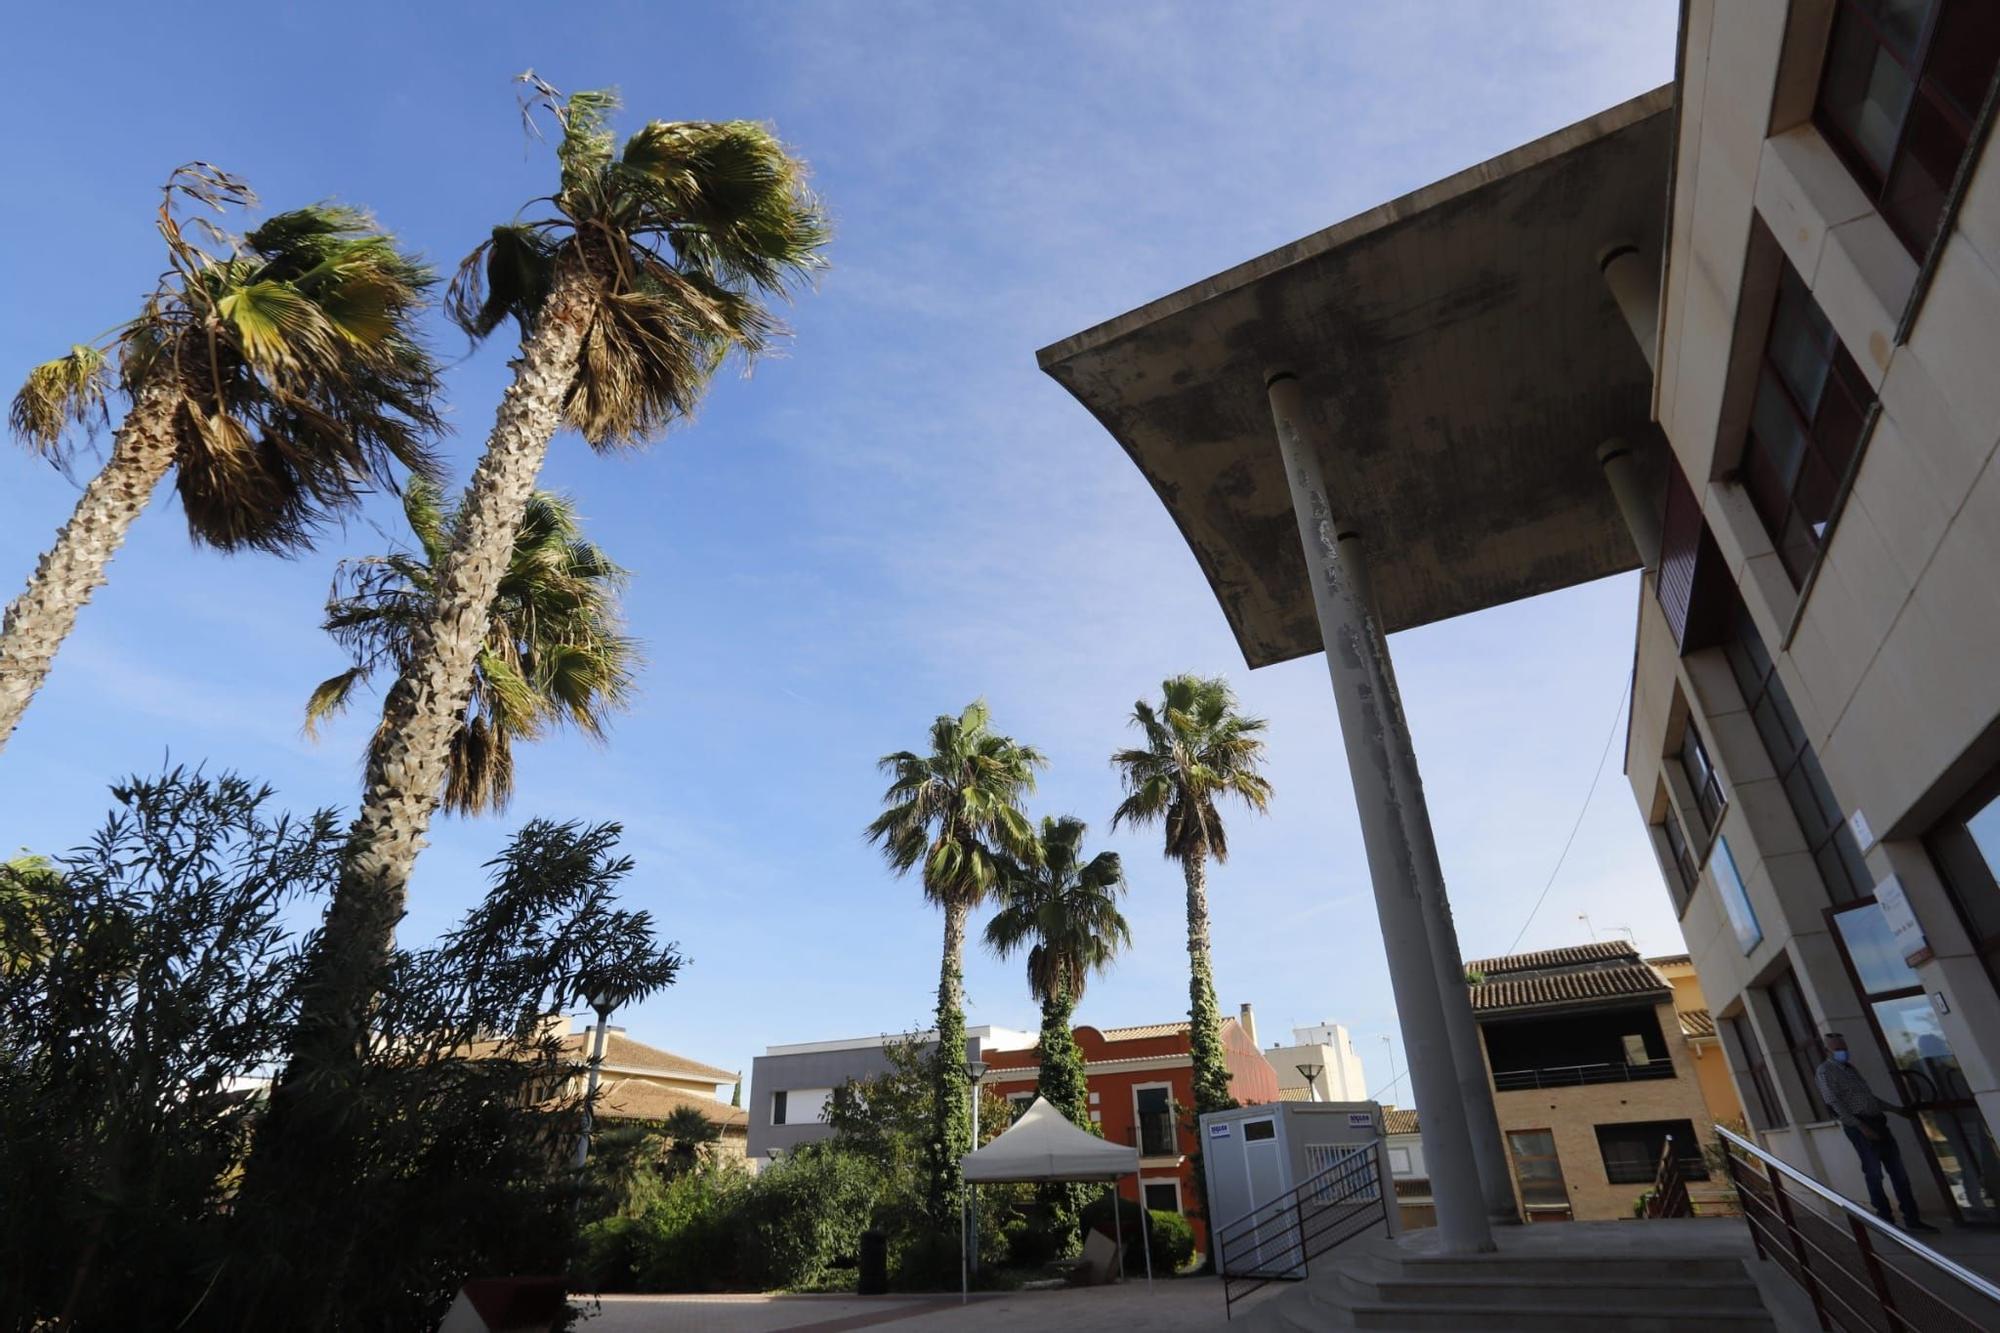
{"x": 1171, "y": 1306}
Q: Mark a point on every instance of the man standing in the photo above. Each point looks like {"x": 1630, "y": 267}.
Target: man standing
{"x": 1865, "y": 1118}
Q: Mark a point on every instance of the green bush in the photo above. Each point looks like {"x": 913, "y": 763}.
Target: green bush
{"x": 921, "y": 1259}
{"x": 802, "y": 1216}
{"x": 1172, "y": 1237}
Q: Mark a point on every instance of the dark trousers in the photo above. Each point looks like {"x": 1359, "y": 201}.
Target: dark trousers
{"x": 1878, "y": 1154}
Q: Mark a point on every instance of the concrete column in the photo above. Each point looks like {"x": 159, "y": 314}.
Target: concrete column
{"x": 1635, "y": 286}
{"x": 1468, "y": 1058}
{"x": 1379, "y": 761}
{"x": 1640, "y": 510}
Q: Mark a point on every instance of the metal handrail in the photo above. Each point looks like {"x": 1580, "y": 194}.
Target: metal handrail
{"x": 1351, "y": 1174}
{"x": 1670, "y": 1191}
{"x": 1822, "y": 1263}
{"x": 1848, "y": 1206}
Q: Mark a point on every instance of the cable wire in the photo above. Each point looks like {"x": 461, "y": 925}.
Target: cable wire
{"x": 1571, "y": 840}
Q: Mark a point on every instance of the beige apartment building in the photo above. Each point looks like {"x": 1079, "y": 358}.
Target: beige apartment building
{"x": 1591, "y": 1077}
{"x": 1815, "y": 735}
{"x": 1741, "y": 332}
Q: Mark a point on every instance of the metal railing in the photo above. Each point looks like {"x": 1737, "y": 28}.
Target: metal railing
{"x": 1670, "y": 1188}
{"x": 1278, "y": 1240}
{"x": 1570, "y": 1076}
{"x": 1861, "y": 1274}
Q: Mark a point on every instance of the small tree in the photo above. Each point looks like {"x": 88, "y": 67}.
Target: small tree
{"x": 162, "y": 984}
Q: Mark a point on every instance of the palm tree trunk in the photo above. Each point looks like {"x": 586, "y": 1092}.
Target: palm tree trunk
{"x": 951, "y": 1113}
{"x": 421, "y": 714}
{"x": 40, "y": 619}
{"x": 1063, "y": 1082}
{"x": 1211, "y": 1072}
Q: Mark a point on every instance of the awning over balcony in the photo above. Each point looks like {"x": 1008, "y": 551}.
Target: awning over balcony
{"x": 1465, "y": 355}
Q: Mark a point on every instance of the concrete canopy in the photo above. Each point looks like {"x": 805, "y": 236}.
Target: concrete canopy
{"x": 1464, "y": 357}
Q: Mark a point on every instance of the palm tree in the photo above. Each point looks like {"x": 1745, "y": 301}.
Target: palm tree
{"x": 956, "y": 813}
{"x": 660, "y": 262}
{"x": 275, "y": 374}
{"x": 553, "y": 654}
{"x": 1065, "y": 910}
{"x": 1198, "y": 748}
{"x": 688, "y": 1132}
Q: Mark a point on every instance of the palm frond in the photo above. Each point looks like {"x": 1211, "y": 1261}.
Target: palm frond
{"x": 506, "y": 277}
{"x": 554, "y": 656}
{"x": 330, "y": 698}
{"x": 684, "y": 237}
{"x": 70, "y": 391}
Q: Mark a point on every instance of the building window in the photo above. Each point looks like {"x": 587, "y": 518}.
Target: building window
{"x": 1966, "y": 847}
{"x": 800, "y": 1106}
{"x": 1800, "y": 1037}
{"x": 1256, "y": 1131}
{"x": 1684, "y": 872}
{"x": 1763, "y": 1093}
{"x": 1811, "y": 797}
{"x": 1154, "y": 1108}
{"x": 1163, "y": 1196}
{"x": 1805, "y": 427}
{"x": 1399, "y": 1161}
{"x": 1702, "y": 779}
{"x": 1538, "y": 1169}
{"x": 1632, "y": 1151}
{"x": 1018, "y": 1102}
{"x": 1901, "y": 90}
{"x": 1735, "y": 898}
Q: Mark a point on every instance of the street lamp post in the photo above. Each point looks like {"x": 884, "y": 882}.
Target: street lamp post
{"x": 603, "y": 1004}
{"x": 1309, "y": 1073}
{"x": 974, "y": 1071}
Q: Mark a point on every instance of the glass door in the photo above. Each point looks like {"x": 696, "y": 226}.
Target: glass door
{"x": 1928, "y": 1079}
{"x": 1539, "y": 1171}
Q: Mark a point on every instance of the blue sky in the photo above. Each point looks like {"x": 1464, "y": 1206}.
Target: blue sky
{"x": 896, "y": 516}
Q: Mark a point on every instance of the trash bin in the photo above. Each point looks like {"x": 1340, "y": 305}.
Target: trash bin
{"x": 874, "y": 1279}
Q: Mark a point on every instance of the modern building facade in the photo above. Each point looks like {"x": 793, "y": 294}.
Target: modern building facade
{"x": 790, "y": 1085}
{"x": 1815, "y": 735}
{"x": 1739, "y": 332}
{"x": 1591, "y": 1077}
{"x": 1321, "y": 1064}
{"x": 1141, "y": 1092}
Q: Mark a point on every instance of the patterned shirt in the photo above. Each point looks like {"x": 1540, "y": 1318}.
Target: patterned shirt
{"x": 1848, "y": 1094}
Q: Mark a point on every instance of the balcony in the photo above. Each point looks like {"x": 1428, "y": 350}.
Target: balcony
{"x": 1572, "y": 1076}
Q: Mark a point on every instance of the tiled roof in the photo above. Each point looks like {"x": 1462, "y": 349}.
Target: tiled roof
{"x": 1399, "y": 1120}
{"x": 637, "y": 1099}
{"x": 1696, "y": 1023}
{"x": 620, "y": 1049}
{"x": 1572, "y": 956}
{"x": 1581, "y": 985}
{"x": 1295, "y": 1094}
{"x": 1672, "y": 960}
{"x": 1143, "y": 1030}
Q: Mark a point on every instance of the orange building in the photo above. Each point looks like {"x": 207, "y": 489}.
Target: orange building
{"x": 1141, "y": 1082}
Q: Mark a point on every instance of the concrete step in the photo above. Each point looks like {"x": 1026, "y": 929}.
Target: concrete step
{"x": 1589, "y": 1269}
{"x": 1739, "y": 1294}
{"x": 1516, "y": 1318}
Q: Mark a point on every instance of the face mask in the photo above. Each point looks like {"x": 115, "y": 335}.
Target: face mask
{"x": 1840, "y": 1056}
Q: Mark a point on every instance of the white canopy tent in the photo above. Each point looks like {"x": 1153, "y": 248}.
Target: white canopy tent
{"x": 1043, "y": 1145}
